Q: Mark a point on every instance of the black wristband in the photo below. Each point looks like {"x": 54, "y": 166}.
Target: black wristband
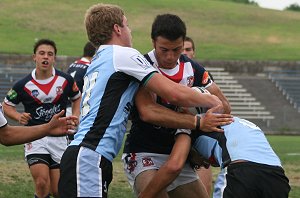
{"x": 198, "y": 122}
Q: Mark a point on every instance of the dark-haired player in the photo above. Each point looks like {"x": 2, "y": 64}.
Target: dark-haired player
{"x": 43, "y": 93}
{"x": 148, "y": 146}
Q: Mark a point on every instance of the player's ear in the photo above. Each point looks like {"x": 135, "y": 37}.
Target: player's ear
{"x": 33, "y": 57}
{"x": 117, "y": 29}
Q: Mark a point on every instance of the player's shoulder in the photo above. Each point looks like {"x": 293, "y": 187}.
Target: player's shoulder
{"x": 21, "y": 82}
{"x": 194, "y": 63}
{"x": 63, "y": 74}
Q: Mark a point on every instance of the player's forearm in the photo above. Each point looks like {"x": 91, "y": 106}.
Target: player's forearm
{"x": 161, "y": 116}
{"x": 76, "y": 107}
{"x": 12, "y": 135}
{"x": 11, "y": 112}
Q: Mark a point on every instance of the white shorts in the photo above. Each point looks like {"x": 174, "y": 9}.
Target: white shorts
{"x": 136, "y": 163}
{"x": 54, "y": 146}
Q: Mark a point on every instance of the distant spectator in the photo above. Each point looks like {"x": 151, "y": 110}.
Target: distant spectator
{"x": 189, "y": 51}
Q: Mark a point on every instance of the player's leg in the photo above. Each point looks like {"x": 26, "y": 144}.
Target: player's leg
{"x": 140, "y": 168}
{"x": 40, "y": 175}
{"x": 143, "y": 179}
{"x": 84, "y": 173}
{"x": 220, "y": 184}
{"x": 205, "y": 175}
{"x": 56, "y": 147}
{"x": 54, "y": 177}
{"x": 187, "y": 184}
{"x": 38, "y": 160}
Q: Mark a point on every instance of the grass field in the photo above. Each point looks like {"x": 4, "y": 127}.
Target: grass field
{"x": 222, "y": 30}
{"x": 15, "y": 180}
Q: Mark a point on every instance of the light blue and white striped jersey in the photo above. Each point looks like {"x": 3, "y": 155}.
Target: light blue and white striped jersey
{"x": 241, "y": 140}
{"x": 110, "y": 84}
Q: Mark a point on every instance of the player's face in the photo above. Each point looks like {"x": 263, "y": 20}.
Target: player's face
{"x": 188, "y": 49}
{"x": 167, "y": 52}
{"x": 44, "y": 57}
{"x": 126, "y": 33}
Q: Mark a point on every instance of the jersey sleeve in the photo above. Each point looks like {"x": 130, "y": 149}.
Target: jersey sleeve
{"x": 75, "y": 92}
{"x": 133, "y": 63}
{"x": 3, "y": 121}
{"x": 202, "y": 78}
{"x": 13, "y": 95}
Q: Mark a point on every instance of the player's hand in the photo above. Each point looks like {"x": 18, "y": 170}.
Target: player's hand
{"x": 210, "y": 121}
{"x": 62, "y": 125}
{"x": 24, "y": 118}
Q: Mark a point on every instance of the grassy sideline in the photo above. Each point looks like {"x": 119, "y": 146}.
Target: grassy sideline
{"x": 15, "y": 180}
{"x": 222, "y": 30}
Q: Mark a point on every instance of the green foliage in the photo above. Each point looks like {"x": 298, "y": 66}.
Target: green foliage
{"x": 293, "y": 7}
{"x": 222, "y": 30}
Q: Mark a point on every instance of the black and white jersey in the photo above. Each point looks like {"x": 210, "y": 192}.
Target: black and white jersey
{"x": 77, "y": 70}
{"x": 43, "y": 98}
{"x": 145, "y": 137}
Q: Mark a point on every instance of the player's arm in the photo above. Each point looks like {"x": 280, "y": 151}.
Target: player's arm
{"x": 76, "y": 107}
{"x": 170, "y": 169}
{"x": 154, "y": 113}
{"x": 12, "y": 135}
{"x": 178, "y": 94}
{"x": 215, "y": 90}
{"x": 12, "y": 113}
{"x": 151, "y": 112}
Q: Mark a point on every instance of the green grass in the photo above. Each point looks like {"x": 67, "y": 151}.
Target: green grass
{"x": 221, "y": 29}
{"x": 15, "y": 180}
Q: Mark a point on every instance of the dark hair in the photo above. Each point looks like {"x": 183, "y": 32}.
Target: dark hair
{"x": 89, "y": 50}
{"x": 169, "y": 26}
{"x": 44, "y": 42}
{"x": 190, "y": 40}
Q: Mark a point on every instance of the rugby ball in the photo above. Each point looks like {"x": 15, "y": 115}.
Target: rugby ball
{"x": 199, "y": 110}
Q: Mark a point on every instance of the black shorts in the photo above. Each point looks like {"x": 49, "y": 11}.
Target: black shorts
{"x": 81, "y": 177}
{"x": 33, "y": 159}
{"x": 253, "y": 180}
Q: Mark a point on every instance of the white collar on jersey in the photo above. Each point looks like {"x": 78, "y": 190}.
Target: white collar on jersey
{"x": 45, "y": 81}
{"x": 155, "y": 63}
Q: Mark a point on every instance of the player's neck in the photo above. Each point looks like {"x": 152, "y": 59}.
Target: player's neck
{"x": 43, "y": 74}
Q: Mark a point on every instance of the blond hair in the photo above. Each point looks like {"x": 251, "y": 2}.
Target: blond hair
{"x": 100, "y": 20}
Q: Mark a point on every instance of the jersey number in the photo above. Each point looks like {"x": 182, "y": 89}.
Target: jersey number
{"x": 89, "y": 83}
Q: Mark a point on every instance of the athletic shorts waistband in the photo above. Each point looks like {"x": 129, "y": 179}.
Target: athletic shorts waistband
{"x": 253, "y": 164}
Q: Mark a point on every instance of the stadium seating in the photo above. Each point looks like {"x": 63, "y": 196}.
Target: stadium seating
{"x": 242, "y": 102}
{"x": 288, "y": 82}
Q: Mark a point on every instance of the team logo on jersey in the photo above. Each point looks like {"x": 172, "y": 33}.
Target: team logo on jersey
{"x": 190, "y": 81}
{"x": 75, "y": 87}
{"x": 12, "y": 94}
{"x": 59, "y": 90}
{"x": 205, "y": 78}
{"x": 131, "y": 162}
{"x": 35, "y": 93}
{"x": 147, "y": 161}
{"x": 127, "y": 107}
{"x": 28, "y": 146}
{"x": 141, "y": 61}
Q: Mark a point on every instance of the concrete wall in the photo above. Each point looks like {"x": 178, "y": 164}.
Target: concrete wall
{"x": 243, "y": 67}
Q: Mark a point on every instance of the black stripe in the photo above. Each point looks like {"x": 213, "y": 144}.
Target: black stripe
{"x": 116, "y": 86}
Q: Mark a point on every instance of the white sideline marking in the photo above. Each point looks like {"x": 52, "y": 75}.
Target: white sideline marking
{"x": 293, "y": 153}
